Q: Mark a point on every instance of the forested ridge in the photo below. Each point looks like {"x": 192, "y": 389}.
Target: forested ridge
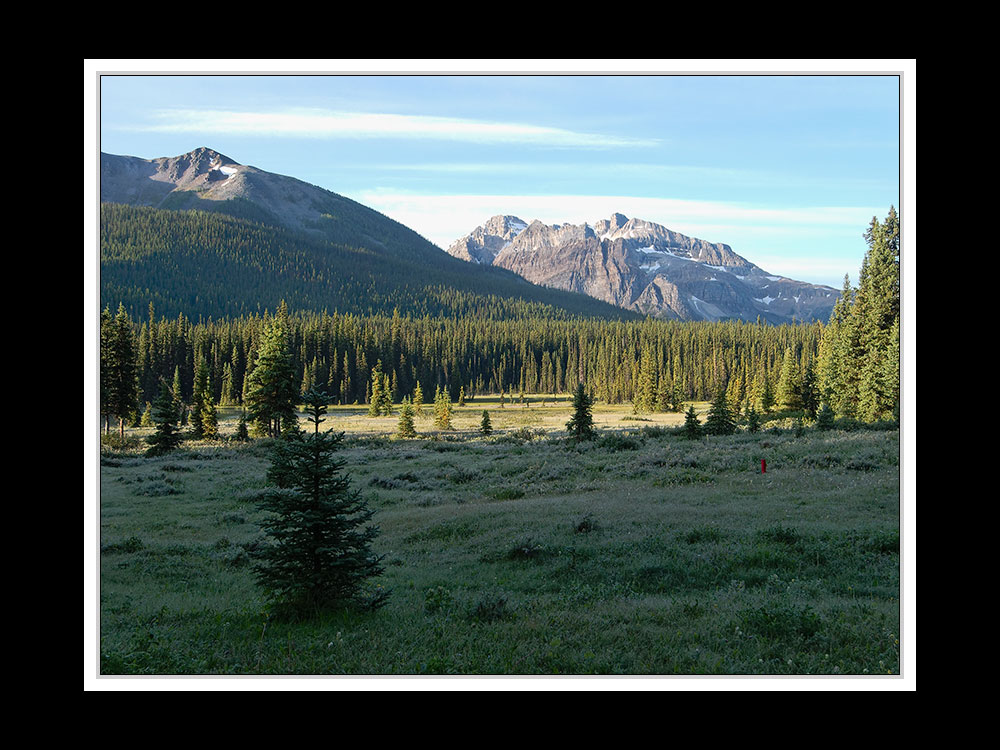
{"x": 211, "y": 265}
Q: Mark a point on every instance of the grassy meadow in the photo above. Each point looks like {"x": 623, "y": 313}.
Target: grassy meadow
{"x": 639, "y": 553}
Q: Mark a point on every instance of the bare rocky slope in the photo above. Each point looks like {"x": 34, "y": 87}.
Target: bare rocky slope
{"x": 645, "y": 267}
{"x": 207, "y": 180}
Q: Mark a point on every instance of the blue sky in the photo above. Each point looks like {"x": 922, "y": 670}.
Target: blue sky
{"x": 788, "y": 169}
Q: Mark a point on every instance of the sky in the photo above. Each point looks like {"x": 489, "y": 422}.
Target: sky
{"x": 787, "y": 168}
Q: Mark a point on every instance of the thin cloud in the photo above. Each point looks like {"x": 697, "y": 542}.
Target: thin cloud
{"x": 331, "y": 124}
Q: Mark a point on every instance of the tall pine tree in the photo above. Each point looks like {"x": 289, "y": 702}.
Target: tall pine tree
{"x": 119, "y": 368}
{"x": 273, "y": 388}
{"x": 859, "y": 350}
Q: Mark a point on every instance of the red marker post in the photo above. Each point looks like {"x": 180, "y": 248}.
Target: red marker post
{"x": 763, "y": 466}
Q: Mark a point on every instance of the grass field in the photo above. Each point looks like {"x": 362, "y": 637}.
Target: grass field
{"x": 640, "y": 553}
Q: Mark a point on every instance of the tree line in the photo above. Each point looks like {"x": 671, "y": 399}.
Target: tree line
{"x": 654, "y": 364}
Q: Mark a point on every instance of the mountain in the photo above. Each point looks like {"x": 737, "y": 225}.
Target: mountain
{"x": 203, "y": 235}
{"x": 642, "y": 266}
{"x": 206, "y": 180}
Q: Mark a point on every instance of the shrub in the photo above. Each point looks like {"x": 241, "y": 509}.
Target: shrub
{"x": 491, "y": 607}
{"x": 128, "y": 546}
{"x": 585, "y": 525}
{"x": 615, "y": 442}
{"x": 436, "y": 599}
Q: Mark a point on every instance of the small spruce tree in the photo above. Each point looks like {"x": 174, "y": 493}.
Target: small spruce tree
{"x": 825, "y": 417}
{"x": 376, "y": 405}
{"x": 405, "y": 428}
{"x": 209, "y": 415}
{"x": 692, "y": 427}
{"x": 720, "y": 420}
{"x": 581, "y": 424}
{"x": 242, "y": 433}
{"x": 418, "y": 400}
{"x": 442, "y": 409}
{"x": 485, "y": 426}
{"x": 319, "y": 556}
{"x": 753, "y": 420}
{"x": 167, "y": 436}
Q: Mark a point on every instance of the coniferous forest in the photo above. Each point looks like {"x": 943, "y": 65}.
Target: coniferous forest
{"x": 480, "y": 344}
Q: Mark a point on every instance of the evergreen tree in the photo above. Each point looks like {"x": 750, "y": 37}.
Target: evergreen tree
{"x": 581, "y": 423}
{"x": 147, "y": 416}
{"x": 119, "y": 368}
{"x": 242, "y": 433}
{"x": 753, "y": 420}
{"x": 442, "y": 409}
{"x": 720, "y": 420}
{"x": 319, "y": 556}
{"x": 167, "y": 435}
{"x": 485, "y": 426}
{"x": 789, "y": 383}
{"x": 461, "y": 396}
{"x": 405, "y": 428}
{"x": 692, "y": 427}
{"x": 226, "y": 398}
{"x": 381, "y": 395}
{"x": 273, "y": 388}
{"x": 375, "y": 398}
{"x": 107, "y": 331}
{"x": 880, "y": 286}
{"x": 734, "y": 395}
{"x": 809, "y": 395}
{"x": 766, "y": 395}
{"x": 663, "y": 396}
{"x": 859, "y": 351}
{"x": 890, "y": 370}
{"x": 209, "y": 414}
{"x": 825, "y": 417}
{"x": 198, "y": 399}
{"x": 645, "y": 396}
{"x": 676, "y": 397}
{"x": 179, "y": 405}
{"x": 418, "y": 400}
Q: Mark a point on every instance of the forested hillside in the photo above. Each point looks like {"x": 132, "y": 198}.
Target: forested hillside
{"x": 209, "y": 265}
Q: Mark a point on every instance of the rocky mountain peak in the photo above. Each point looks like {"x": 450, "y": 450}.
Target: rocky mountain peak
{"x": 209, "y": 180}
{"x": 643, "y": 266}
{"x": 618, "y": 221}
